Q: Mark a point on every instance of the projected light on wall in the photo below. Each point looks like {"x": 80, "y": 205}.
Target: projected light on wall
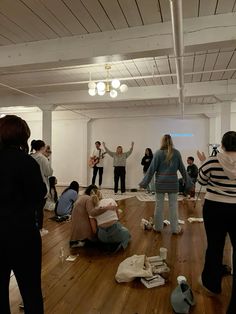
{"x": 181, "y": 134}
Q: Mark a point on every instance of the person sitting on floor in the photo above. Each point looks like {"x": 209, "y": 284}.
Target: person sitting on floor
{"x": 192, "y": 171}
{"x": 82, "y": 233}
{"x": 107, "y": 225}
{"x": 65, "y": 202}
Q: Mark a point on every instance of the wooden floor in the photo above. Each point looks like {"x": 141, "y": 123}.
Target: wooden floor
{"x": 88, "y": 286}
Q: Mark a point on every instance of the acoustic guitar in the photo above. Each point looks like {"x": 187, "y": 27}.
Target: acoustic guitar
{"x": 93, "y": 161}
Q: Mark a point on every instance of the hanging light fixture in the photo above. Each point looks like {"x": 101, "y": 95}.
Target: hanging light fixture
{"x": 113, "y": 87}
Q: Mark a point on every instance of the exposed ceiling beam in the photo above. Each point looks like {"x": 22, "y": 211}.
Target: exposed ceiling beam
{"x": 200, "y": 33}
{"x": 95, "y": 113}
{"x": 178, "y": 39}
{"x": 198, "y": 89}
{"x": 21, "y": 88}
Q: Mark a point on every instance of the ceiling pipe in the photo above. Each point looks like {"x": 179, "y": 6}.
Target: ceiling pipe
{"x": 178, "y": 40}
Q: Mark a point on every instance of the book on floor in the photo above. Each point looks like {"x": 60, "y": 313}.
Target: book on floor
{"x": 154, "y": 281}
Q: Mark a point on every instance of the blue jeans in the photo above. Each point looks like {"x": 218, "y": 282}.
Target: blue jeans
{"x": 116, "y": 233}
{"x": 151, "y": 185}
{"x": 173, "y": 211}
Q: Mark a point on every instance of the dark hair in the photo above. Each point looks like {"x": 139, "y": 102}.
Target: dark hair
{"x": 150, "y": 152}
{"x": 14, "y": 131}
{"x": 36, "y": 145}
{"x": 90, "y": 188}
{"x": 52, "y": 187}
{"x": 229, "y": 141}
{"x": 97, "y": 142}
{"x": 73, "y": 186}
{"x": 191, "y": 158}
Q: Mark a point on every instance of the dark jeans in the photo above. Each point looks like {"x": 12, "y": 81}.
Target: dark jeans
{"x": 219, "y": 219}
{"x": 40, "y": 214}
{"x": 119, "y": 173}
{"x": 98, "y": 170}
{"x": 21, "y": 252}
{"x": 182, "y": 187}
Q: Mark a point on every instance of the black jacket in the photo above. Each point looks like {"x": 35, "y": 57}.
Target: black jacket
{"x": 21, "y": 190}
{"x": 193, "y": 172}
{"x": 146, "y": 161}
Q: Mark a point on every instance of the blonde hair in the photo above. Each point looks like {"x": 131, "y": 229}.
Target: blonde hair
{"x": 96, "y": 197}
{"x": 167, "y": 145}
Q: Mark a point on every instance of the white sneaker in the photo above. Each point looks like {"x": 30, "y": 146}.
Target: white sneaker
{"x": 21, "y": 306}
{"x": 100, "y": 187}
{"x": 43, "y": 232}
{"x": 78, "y": 244}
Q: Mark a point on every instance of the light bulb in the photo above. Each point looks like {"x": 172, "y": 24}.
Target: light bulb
{"x": 113, "y": 93}
{"x": 115, "y": 83}
{"x": 123, "y": 88}
{"x": 101, "y": 92}
{"x": 92, "y": 92}
{"x": 91, "y": 85}
{"x": 101, "y": 86}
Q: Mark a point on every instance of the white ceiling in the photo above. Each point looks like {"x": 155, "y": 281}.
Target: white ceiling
{"x": 49, "y": 49}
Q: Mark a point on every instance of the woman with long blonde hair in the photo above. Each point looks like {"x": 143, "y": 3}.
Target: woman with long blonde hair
{"x": 165, "y": 164}
{"x": 168, "y": 146}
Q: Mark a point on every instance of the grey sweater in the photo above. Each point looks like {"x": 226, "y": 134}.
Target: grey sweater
{"x": 119, "y": 160}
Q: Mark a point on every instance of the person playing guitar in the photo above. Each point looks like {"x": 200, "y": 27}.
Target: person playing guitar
{"x": 96, "y": 162}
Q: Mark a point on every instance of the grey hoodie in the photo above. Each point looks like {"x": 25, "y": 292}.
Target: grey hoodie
{"x": 228, "y": 163}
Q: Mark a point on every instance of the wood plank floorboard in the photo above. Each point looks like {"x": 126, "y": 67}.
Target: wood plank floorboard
{"x": 88, "y": 286}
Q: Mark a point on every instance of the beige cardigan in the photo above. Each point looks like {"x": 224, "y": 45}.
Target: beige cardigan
{"x": 81, "y": 227}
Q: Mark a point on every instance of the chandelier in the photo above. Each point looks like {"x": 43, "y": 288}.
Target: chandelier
{"x": 111, "y": 86}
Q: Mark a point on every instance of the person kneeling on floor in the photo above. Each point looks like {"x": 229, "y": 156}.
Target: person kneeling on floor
{"x": 107, "y": 225}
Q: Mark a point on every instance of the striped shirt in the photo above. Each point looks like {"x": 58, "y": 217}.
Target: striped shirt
{"x": 218, "y": 185}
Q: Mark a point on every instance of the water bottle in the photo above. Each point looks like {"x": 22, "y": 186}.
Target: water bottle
{"x": 181, "y": 279}
{"x": 182, "y": 296}
{"x": 62, "y": 255}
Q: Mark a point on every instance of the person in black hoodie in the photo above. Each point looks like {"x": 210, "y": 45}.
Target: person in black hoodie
{"x": 21, "y": 191}
{"x": 146, "y": 161}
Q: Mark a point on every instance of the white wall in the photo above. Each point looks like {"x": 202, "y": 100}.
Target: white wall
{"x": 146, "y": 132}
{"x": 233, "y": 122}
{"x": 67, "y": 144}
{"x": 73, "y": 141}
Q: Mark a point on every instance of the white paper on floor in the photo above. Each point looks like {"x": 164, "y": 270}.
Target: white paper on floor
{"x": 142, "y": 196}
{"x": 193, "y": 219}
{"x": 72, "y": 258}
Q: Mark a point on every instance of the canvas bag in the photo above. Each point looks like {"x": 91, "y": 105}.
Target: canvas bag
{"x": 133, "y": 267}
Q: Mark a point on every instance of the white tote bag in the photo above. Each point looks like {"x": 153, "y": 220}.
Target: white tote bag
{"x": 133, "y": 267}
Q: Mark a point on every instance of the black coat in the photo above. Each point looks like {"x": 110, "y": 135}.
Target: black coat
{"x": 21, "y": 190}
{"x": 146, "y": 161}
